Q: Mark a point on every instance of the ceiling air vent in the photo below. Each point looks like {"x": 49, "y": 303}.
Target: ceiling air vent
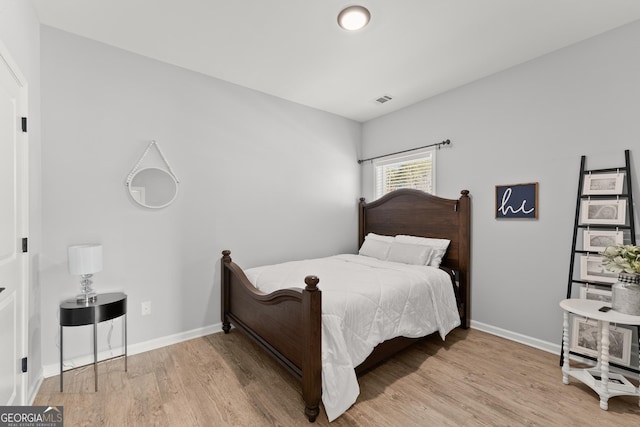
{"x": 383, "y": 99}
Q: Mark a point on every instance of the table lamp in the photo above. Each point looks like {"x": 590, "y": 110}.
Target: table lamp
{"x": 84, "y": 260}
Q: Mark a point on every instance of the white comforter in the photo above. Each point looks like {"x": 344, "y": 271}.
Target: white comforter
{"x": 364, "y": 302}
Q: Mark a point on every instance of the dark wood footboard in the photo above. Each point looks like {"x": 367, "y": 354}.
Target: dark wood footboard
{"x": 286, "y": 323}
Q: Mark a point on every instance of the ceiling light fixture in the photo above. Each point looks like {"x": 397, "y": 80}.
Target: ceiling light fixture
{"x": 354, "y": 18}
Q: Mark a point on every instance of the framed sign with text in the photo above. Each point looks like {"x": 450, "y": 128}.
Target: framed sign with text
{"x": 517, "y": 201}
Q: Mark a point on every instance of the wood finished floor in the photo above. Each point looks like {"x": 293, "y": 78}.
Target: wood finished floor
{"x": 471, "y": 379}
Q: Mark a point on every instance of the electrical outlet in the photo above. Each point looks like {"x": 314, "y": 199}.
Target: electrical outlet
{"x": 146, "y": 308}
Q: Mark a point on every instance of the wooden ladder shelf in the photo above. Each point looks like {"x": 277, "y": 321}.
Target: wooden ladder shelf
{"x": 604, "y": 214}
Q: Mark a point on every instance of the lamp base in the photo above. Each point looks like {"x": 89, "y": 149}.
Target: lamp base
{"x": 86, "y": 294}
{"x": 86, "y": 298}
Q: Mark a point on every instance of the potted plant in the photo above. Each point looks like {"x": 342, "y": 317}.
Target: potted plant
{"x": 624, "y": 260}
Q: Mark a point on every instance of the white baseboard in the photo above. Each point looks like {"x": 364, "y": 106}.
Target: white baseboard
{"x": 514, "y": 336}
{"x": 542, "y": 345}
{"x": 33, "y": 391}
{"x": 54, "y": 369}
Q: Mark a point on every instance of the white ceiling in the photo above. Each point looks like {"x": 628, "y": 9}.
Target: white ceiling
{"x": 294, "y": 49}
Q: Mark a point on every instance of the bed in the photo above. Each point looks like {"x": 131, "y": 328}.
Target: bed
{"x": 287, "y": 323}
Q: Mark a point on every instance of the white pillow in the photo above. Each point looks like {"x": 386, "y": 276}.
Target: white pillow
{"x": 375, "y": 249}
{"x": 376, "y": 246}
{"x": 380, "y": 237}
{"x": 439, "y": 247}
{"x": 408, "y": 253}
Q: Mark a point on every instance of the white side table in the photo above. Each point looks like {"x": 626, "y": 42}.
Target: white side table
{"x": 590, "y": 309}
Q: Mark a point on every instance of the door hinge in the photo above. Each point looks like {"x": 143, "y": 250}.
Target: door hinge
{"x": 24, "y": 124}
{"x": 25, "y": 244}
{"x": 24, "y": 364}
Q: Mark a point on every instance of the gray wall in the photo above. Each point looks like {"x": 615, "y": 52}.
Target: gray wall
{"x": 530, "y": 123}
{"x": 266, "y": 178}
{"x": 20, "y": 33}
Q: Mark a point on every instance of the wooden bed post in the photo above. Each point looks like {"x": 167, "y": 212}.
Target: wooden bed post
{"x": 361, "y": 221}
{"x": 312, "y": 355}
{"x": 464, "y": 209}
{"x": 224, "y": 284}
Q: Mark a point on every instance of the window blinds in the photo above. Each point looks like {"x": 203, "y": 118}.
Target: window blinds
{"x": 414, "y": 171}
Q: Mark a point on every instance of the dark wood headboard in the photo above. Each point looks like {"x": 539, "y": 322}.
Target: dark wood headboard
{"x": 417, "y": 213}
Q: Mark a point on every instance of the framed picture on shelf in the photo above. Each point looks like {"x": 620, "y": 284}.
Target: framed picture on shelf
{"x": 584, "y": 340}
{"x": 592, "y": 270}
{"x": 616, "y": 381}
{"x": 604, "y": 211}
{"x": 603, "y": 183}
{"x": 598, "y": 240}
{"x": 592, "y": 293}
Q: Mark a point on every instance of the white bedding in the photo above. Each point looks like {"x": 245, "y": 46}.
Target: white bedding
{"x": 365, "y": 301}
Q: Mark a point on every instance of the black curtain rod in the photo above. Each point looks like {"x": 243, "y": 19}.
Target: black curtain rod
{"x": 437, "y": 144}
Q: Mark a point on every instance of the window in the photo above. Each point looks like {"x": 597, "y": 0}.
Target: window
{"x": 416, "y": 170}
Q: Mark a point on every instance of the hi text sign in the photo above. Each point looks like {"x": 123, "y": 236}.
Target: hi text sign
{"x": 517, "y": 201}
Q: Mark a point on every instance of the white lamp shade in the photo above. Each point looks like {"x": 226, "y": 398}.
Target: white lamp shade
{"x": 85, "y": 259}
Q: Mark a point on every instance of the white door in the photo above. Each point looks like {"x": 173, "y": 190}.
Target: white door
{"x": 13, "y": 227}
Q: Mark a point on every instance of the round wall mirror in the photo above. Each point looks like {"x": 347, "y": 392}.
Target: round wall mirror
{"x": 153, "y": 188}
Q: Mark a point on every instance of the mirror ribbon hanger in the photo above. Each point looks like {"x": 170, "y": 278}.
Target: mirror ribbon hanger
{"x": 153, "y": 143}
